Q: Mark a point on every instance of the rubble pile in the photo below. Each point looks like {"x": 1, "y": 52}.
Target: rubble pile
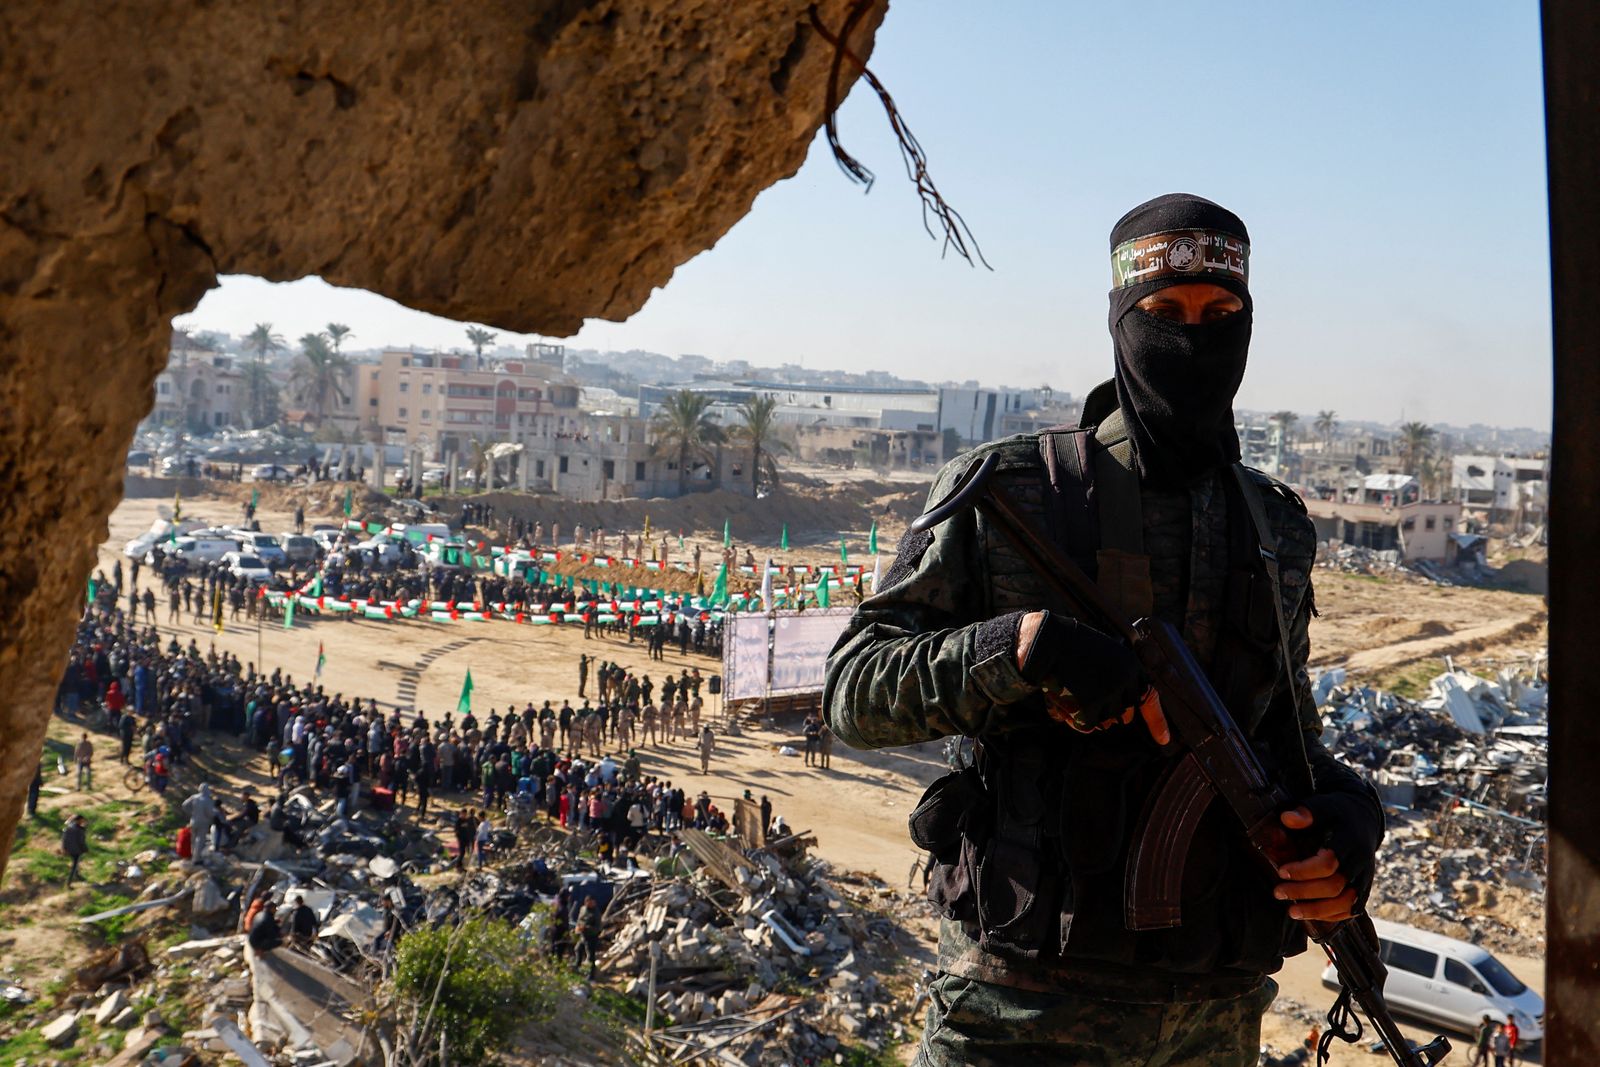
{"x": 1385, "y": 563}
{"x": 1463, "y": 777}
{"x": 756, "y": 956}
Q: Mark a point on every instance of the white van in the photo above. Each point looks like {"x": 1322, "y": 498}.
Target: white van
{"x": 418, "y": 533}
{"x": 203, "y": 549}
{"x": 160, "y": 530}
{"x": 1451, "y": 983}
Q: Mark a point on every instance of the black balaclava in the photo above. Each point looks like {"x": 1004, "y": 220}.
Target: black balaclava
{"x": 1175, "y": 383}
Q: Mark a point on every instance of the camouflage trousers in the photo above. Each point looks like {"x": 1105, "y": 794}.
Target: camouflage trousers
{"x": 976, "y": 1024}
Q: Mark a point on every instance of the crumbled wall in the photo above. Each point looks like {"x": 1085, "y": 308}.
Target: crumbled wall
{"x": 526, "y": 165}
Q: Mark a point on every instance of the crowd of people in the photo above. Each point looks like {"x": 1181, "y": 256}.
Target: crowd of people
{"x": 573, "y": 766}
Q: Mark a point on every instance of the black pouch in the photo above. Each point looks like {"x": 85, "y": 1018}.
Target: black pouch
{"x": 1011, "y": 920}
{"x": 951, "y": 822}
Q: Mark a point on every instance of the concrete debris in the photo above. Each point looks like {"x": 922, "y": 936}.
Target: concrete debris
{"x": 60, "y": 1031}
{"x": 1463, "y": 775}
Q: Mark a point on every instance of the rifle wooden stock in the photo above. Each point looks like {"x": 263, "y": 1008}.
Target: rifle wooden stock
{"x": 1217, "y": 761}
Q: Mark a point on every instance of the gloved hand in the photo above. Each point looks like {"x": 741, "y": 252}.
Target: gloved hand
{"x": 1101, "y": 675}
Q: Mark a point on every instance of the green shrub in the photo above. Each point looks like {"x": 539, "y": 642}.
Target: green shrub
{"x": 492, "y": 985}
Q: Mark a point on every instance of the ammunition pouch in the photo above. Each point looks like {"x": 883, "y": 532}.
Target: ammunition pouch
{"x": 951, "y": 823}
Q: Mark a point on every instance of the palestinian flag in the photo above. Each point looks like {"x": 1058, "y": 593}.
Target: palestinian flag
{"x": 322, "y": 660}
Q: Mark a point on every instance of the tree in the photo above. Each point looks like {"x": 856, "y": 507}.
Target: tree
{"x": 479, "y": 337}
{"x": 1416, "y": 441}
{"x": 317, "y": 373}
{"x": 261, "y": 341}
{"x": 1327, "y": 422}
{"x": 757, "y": 432}
{"x": 337, "y": 332}
{"x": 1286, "y": 420}
{"x": 475, "y": 983}
{"x": 265, "y": 403}
{"x": 686, "y": 428}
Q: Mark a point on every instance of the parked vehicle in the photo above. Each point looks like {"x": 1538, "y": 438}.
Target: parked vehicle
{"x": 381, "y": 549}
{"x": 299, "y": 548}
{"x": 271, "y": 472}
{"x": 244, "y": 565}
{"x": 161, "y": 530}
{"x": 140, "y": 459}
{"x": 203, "y": 549}
{"x": 174, "y": 466}
{"x": 265, "y": 546}
{"x": 420, "y": 533}
{"x": 1452, "y": 983}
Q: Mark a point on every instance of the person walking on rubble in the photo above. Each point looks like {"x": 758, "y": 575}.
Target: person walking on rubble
{"x": 963, "y": 639}
{"x": 202, "y": 812}
{"x": 75, "y": 844}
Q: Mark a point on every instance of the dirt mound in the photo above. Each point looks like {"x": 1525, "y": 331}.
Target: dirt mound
{"x": 1392, "y": 629}
{"x": 814, "y": 513}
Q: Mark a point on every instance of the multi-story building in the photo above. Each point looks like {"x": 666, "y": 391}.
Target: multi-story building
{"x": 1385, "y": 511}
{"x": 199, "y": 390}
{"x": 1501, "y": 488}
{"x": 440, "y": 403}
{"x": 611, "y": 457}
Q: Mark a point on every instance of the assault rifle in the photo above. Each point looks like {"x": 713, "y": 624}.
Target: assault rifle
{"x": 1217, "y": 761}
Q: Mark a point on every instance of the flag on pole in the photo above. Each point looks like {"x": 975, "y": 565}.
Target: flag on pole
{"x": 322, "y": 659}
{"x": 823, "y": 599}
{"x": 349, "y": 502}
{"x": 288, "y": 612}
{"x": 92, "y": 590}
{"x": 464, "y": 702}
{"x": 727, "y": 533}
{"x": 216, "y": 609}
{"x": 766, "y": 586}
{"x": 872, "y": 539}
{"x": 784, "y": 544}
{"x": 255, "y": 498}
{"x": 719, "y": 591}
{"x": 844, "y": 553}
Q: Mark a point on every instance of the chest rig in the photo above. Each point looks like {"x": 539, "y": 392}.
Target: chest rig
{"x": 1056, "y": 847}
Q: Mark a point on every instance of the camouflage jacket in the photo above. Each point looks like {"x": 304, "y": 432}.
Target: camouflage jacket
{"x": 933, "y": 653}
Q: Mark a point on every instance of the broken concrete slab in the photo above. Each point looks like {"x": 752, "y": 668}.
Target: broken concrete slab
{"x": 60, "y": 1031}
{"x": 110, "y": 1008}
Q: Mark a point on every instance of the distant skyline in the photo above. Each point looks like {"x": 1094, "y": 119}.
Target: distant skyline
{"x": 1388, "y": 159}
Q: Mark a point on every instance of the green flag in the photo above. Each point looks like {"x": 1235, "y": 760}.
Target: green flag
{"x": 844, "y": 553}
{"x": 872, "y": 539}
{"x": 785, "y": 542}
{"x": 464, "y": 703}
{"x": 92, "y": 590}
{"x": 288, "y": 612}
{"x": 349, "y": 502}
{"x": 727, "y": 533}
{"x": 316, "y": 586}
{"x": 255, "y": 498}
{"x": 719, "y": 591}
{"x": 822, "y": 591}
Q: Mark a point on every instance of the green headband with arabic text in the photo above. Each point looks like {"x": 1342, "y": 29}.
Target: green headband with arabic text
{"x": 1180, "y": 255}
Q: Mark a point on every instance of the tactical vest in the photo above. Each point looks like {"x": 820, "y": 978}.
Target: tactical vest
{"x": 1030, "y": 844}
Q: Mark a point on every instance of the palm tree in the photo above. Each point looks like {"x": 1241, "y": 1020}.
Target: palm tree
{"x": 479, "y": 337}
{"x": 337, "y": 332}
{"x": 1326, "y": 422}
{"x": 1286, "y": 420}
{"x": 317, "y": 373}
{"x": 265, "y": 407}
{"x": 685, "y": 426}
{"x": 1416, "y": 441}
{"x": 757, "y": 432}
{"x": 260, "y": 340}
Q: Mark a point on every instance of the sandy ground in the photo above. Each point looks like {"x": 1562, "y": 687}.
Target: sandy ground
{"x": 857, "y": 808}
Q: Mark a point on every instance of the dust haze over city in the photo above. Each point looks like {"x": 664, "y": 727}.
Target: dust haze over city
{"x": 427, "y": 655}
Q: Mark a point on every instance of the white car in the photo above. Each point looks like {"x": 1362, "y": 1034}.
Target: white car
{"x": 265, "y": 546}
{"x": 1451, "y": 983}
{"x": 271, "y": 472}
{"x": 381, "y": 549}
{"x": 299, "y": 548}
{"x": 244, "y": 565}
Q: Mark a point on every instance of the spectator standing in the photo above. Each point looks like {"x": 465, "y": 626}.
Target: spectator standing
{"x": 75, "y": 844}
{"x": 84, "y": 755}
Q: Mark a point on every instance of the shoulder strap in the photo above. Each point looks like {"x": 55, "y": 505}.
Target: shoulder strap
{"x": 1269, "y": 556}
{"x": 1117, "y": 488}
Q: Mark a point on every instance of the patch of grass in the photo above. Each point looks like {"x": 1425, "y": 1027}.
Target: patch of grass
{"x": 624, "y": 1008}
{"x": 28, "y": 1044}
{"x": 113, "y": 928}
{"x": 865, "y": 1057}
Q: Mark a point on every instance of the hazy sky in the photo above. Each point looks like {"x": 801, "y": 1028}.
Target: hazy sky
{"x": 1387, "y": 158}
